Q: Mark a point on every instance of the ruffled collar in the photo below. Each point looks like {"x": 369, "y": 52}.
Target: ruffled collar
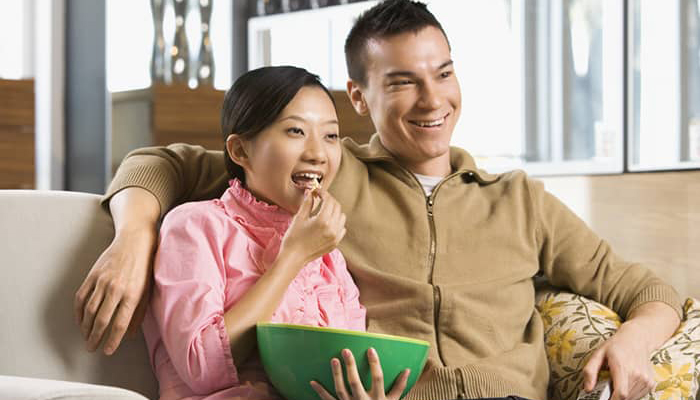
{"x": 240, "y": 203}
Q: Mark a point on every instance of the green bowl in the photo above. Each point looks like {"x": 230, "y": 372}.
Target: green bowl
{"x": 294, "y": 355}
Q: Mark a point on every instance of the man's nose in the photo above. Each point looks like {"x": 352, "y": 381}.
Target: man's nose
{"x": 430, "y": 96}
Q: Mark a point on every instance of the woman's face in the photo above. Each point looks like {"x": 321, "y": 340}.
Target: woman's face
{"x": 300, "y": 146}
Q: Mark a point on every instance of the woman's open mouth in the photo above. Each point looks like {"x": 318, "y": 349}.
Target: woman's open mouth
{"x": 307, "y": 180}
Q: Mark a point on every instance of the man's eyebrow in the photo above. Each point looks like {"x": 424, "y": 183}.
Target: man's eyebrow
{"x": 301, "y": 119}
{"x": 393, "y": 74}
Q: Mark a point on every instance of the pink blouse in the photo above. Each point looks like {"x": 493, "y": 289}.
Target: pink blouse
{"x": 210, "y": 253}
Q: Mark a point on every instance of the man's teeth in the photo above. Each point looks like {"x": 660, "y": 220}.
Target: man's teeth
{"x": 427, "y": 124}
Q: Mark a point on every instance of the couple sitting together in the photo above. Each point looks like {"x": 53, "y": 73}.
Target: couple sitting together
{"x": 403, "y": 236}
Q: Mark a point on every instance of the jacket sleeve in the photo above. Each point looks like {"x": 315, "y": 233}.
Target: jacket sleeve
{"x": 188, "y": 299}
{"x": 173, "y": 174}
{"x": 355, "y": 312}
{"x": 573, "y": 256}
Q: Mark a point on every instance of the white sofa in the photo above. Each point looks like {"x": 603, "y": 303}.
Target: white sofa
{"x": 48, "y": 242}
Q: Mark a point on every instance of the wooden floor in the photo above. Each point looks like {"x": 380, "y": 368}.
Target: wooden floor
{"x": 652, "y": 218}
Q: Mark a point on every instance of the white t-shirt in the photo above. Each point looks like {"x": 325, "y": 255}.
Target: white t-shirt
{"x": 428, "y": 182}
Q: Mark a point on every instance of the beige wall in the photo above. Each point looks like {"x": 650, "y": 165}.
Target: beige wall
{"x": 653, "y": 218}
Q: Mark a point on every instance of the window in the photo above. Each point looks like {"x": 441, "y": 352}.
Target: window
{"x": 16, "y": 39}
{"x": 664, "y": 80}
{"x": 541, "y": 83}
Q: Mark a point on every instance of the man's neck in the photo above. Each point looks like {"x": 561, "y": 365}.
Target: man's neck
{"x": 436, "y": 167}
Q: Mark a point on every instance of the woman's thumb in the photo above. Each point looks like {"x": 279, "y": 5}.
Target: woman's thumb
{"x": 306, "y": 204}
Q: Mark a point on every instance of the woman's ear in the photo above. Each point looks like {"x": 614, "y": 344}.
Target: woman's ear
{"x": 236, "y": 149}
{"x": 357, "y": 98}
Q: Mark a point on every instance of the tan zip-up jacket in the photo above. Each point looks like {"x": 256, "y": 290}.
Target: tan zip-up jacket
{"x": 455, "y": 269}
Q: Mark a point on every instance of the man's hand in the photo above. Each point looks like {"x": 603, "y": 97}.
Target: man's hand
{"x": 626, "y": 354}
{"x": 117, "y": 287}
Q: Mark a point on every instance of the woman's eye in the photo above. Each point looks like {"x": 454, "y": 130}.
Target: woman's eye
{"x": 333, "y": 136}
{"x": 295, "y": 131}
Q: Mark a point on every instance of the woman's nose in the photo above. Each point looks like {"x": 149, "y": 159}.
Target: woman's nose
{"x": 314, "y": 150}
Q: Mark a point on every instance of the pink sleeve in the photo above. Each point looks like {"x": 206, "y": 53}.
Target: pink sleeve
{"x": 355, "y": 311}
{"x": 188, "y": 299}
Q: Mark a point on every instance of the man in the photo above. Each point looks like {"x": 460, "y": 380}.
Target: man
{"x": 440, "y": 250}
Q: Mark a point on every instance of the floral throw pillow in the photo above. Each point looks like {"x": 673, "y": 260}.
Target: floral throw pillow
{"x": 575, "y": 326}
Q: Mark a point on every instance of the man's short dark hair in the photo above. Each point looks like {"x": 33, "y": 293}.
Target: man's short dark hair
{"x": 388, "y": 18}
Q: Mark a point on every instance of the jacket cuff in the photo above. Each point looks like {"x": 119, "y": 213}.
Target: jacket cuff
{"x": 661, "y": 293}
{"x": 159, "y": 179}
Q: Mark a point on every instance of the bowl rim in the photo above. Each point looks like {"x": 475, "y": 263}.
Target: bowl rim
{"x": 345, "y": 331}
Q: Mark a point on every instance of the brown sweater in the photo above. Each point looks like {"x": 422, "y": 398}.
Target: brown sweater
{"x": 455, "y": 269}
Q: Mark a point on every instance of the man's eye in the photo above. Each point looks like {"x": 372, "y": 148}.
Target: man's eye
{"x": 445, "y": 74}
{"x": 401, "y": 82}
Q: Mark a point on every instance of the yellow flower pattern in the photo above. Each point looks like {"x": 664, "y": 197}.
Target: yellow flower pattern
{"x": 575, "y": 326}
{"x": 673, "y": 384}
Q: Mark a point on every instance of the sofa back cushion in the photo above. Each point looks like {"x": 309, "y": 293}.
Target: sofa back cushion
{"x": 49, "y": 240}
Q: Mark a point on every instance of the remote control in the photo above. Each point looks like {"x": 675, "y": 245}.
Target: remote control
{"x": 601, "y": 391}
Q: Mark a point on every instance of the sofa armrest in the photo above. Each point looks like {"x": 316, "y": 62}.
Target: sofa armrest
{"x": 20, "y": 388}
{"x": 576, "y": 326}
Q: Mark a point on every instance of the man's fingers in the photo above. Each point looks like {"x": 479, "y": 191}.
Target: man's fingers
{"x": 140, "y": 312}
{"x": 375, "y": 368}
{"x": 322, "y": 392}
{"x": 81, "y": 297}
{"x": 90, "y": 310}
{"x": 399, "y": 385}
{"x": 119, "y": 327}
{"x": 103, "y": 318}
{"x": 591, "y": 370}
{"x": 620, "y": 383}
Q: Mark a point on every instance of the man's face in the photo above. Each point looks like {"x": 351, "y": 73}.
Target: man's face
{"x": 413, "y": 97}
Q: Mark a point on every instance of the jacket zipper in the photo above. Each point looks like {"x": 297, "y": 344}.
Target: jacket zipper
{"x": 437, "y": 297}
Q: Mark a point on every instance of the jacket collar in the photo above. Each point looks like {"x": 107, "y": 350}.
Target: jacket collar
{"x": 460, "y": 160}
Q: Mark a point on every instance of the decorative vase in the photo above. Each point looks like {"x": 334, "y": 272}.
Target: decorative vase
{"x": 158, "y": 54}
{"x": 205, "y": 69}
{"x": 179, "y": 52}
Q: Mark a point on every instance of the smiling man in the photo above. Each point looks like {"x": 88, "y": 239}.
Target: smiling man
{"x": 440, "y": 250}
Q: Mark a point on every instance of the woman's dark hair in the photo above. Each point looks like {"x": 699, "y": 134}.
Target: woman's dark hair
{"x": 388, "y": 18}
{"x": 255, "y": 101}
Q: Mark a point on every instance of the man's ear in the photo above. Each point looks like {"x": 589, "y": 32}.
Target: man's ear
{"x": 236, "y": 149}
{"x": 357, "y": 98}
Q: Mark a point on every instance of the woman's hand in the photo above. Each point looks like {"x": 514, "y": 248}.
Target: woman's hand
{"x": 376, "y": 392}
{"x": 314, "y": 231}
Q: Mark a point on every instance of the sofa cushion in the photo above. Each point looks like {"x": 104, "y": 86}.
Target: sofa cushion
{"x": 17, "y": 388}
{"x": 575, "y": 326}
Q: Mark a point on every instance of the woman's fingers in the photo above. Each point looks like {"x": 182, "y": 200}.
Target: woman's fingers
{"x": 321, "y": 391}
{"x": 375, "y": 368}
{"x": 399, "y": 386}
{"x": 352, "y": 374}
{"x": 340, "y": 390}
